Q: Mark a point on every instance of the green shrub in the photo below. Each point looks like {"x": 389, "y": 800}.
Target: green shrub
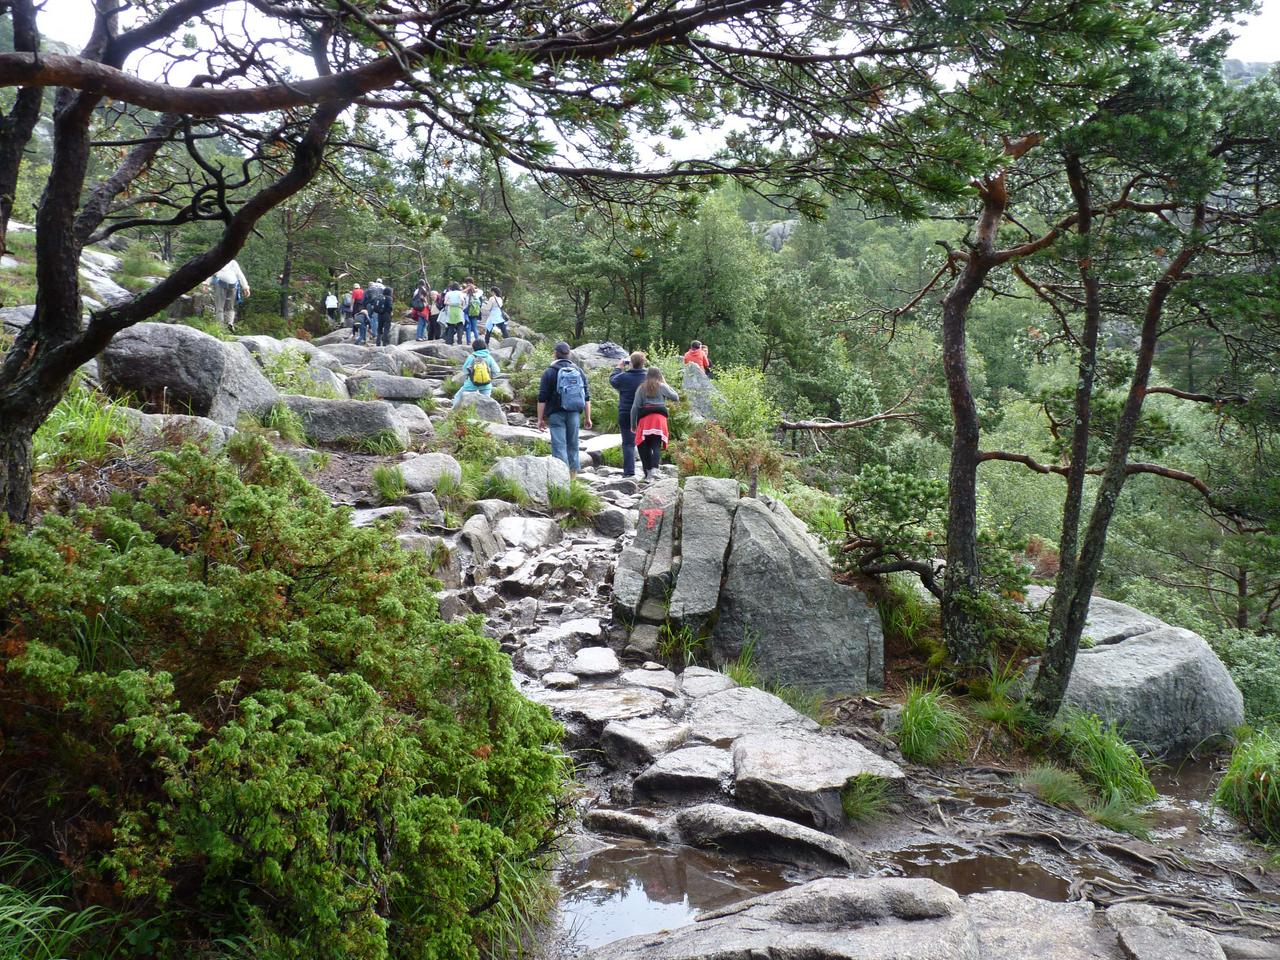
{"x": 741, "y": 404}
{"x": 234, "y": 713}
{"x": 709, "y": 451}
{"x": 1250, "y": 788}
{"x": 820, "y": 511}
{"x": 289, "y": 371}
{"x": 389, "y": 482}
{"x": 285, "y": 422}
{"x": 577, "y": 499}
{"x": 1254, "y": 663}
{"x": 85, "y": 427}
{"x": 932, "y": 728}
{"x": 427, "y": 404}
{"x": 1062, "y": 788}
{"x": 1102, "y": 757}
{"x": 464, "y": 435}
{"x": 458, "y": 493}
{"x": 865, "y": 797}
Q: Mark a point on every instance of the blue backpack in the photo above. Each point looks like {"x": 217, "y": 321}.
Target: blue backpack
{"x": 571, "y": 386}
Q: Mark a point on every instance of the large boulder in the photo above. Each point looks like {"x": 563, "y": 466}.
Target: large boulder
{"x": 535, "y": 475}
{"x": 424, "y": 471}
{"x": 725, "y": 716}
{"x": 1164, "y": 687}
{"x": 347, "y": 422}
{"x": 706, "y": 518}
{"x": 177, "y": 426}
{"x": 590, "y": 356}
{"x": 510, "y": 350}
{"x": 698, "y": 392}
{"x": 184, "y": 368}
{"x": 778, "y": 595}
{"x": 645, "y": 563}
{"x": 383, "y": 386}
{"x": 486, "y": 408}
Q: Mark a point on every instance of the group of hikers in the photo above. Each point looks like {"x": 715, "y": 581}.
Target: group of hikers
{"x": 457, "y": 314}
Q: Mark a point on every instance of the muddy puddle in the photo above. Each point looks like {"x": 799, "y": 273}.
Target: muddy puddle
{"x": 966, "y": 872}
{"x": 633, "y": 888}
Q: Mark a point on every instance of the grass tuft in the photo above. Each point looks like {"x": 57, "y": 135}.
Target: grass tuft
{"x": 286, "y": 423}
{"x": 582, "y": 505}
{"x": 1250, "y": 789}
{"x": 85, "y": 427}
{"x": 865, "y": 797}
{"x": 678, "y": 645}
{"x": 1053, "y": 785}
{"x": 494, "y": 487}
{"x": 741, "y": 669}
{"x": 384, "y": 444}
{"x": 932, "y": 728}
{"x": 389, "y": 482}
{"x": 1103, "y": 758}
{"x": 1118, "y": 814}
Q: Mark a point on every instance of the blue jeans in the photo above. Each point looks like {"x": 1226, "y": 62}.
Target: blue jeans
{"x": 485, "y": 389}
{"x": 564, "y": 436}
{"x": 469, "y": 328}
{"x": 367, "y": 327}
{"x": 628, "y": 444}
{"x": 422, "y": 326}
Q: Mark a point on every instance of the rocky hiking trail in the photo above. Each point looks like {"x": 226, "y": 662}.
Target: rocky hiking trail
{"x": 710, "y": 815}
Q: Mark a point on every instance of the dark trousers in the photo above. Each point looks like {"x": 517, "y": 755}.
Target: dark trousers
{"x": 453, "y": 333}
{"x": 433, "y": 327}
{"x": 384, "y": 329}
{"x": 651, "y": 453}
{"x": 628, "y": 443}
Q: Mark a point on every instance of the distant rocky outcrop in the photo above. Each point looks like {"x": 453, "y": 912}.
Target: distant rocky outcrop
{"x": 1163, "y": 686}
{"x": 746, "y": 573}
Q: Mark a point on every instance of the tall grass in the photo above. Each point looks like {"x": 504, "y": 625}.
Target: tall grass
{"x": 678, "y": 645}
{"x": 37, "y": 920}
{"x": 495, "y": 487}
{"x": 1053, "y": 785}
{"x": 932, "y": 728}
{"x": 384, "y": 444}
{"x": 1250, "y": 789}
{"x": 85, "y": 427}
{"x": 389, "y": 482}
{"x": 865, "y": 797}
{"x": 577, "y": 500}
{"x": 1103, "y": 758}
{"x": 907, "y": 618}
{"x": 287, "y": 423}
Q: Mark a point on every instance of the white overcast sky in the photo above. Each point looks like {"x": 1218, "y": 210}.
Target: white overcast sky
{"x": 1256, "y": 40}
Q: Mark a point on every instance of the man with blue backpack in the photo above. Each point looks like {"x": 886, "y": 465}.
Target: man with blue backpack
{"x": 563, "y": 402}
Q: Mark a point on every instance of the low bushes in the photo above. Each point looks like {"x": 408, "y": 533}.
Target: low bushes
{"x": 1250, "y": 788}
{"x": 234, "y": 715}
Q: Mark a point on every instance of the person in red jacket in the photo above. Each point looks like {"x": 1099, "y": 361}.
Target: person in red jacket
{"x": 698, "y": 355}
{"x": 357, "y": 304}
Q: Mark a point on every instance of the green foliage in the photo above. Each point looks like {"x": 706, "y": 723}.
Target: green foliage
{"x": 389, "y": 482}
{"x": 1254, "y": 663}
{"x": 1116, "y": 813}
{"x": 820, "y": 511}
{"x": 811, "y": 703}
{"x": 427, "y": 404}
{"x": 463, "y": 434}
{"x": 1102, "y": 757}
{"x": 494, "y": 487}
{"x": 1250, "y": 788}
{"x": 1053, "y": 785}
{"x": 577, "y": 499}
{"x": 708, "y": 451}
{"x": 38, "y": 921}
{"x": 290, "y": 371}
{"x": 932, "y": 728}
{"x": 679, "y": 646}
{"x": 907, "y": 618}
{"x": 139, "y": 267}
{"x": 285, "y": 422}
{"x": 865, "y": 797}
{"x": 741, "y": 669}
{"x": 255, "y": 697}
{"x": 457, "y": 494}
{"x": 85, "y": 427}
{"x": 741, "y": 403}
{"x": 384, "y": 444}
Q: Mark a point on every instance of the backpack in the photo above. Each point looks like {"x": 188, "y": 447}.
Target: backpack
{"x": 418, "y": 302}
{"x": 571, "y": 386}
{"x": 347, "y": 302}
{"x": 480, "y": 373}
{"x": 473, "y": 306}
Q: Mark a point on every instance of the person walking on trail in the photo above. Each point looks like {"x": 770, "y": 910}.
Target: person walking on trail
{"x": 698, "y": 355}
{"x": 454, "y": 315}
{"x": 385, "y": 306}
{"x": 478, "y": 372}
{"x": 229, "y": 287}
{"x": 434, "y": 305}
{"x": 364, "y": 323}
{"x": 472, "y": 304}
{"x": 421, "y": 310}
{"x": 347, "y": 310}
{"x": 331, "y": 308}
{"x": 374, "y": 289}
{"x": 491, "y": 313}
{"x": 564, "y": 402}
{"x": 649, "y": 420}
{"x": 357, "y": 305}
{"x": 627, "y": 380}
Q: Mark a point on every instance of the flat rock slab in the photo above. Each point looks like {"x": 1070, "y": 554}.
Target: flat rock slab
{"x": 1014, "y": 925}
{"x": 529, "y": 533}
{"x": 594, "y": 662}
{"x": 762, "y": 837}
{"x": 384, "y": 386}
{"x": 347, "y": 422}
{"x": 799, "y": 775}
{"x": 367, "y": 518}
{"x": 698, "y": 682}
{"x": 721, "y": 717}
{"x": 638, "y": 743}
{"x": 559, "y": 680}
{"x": 534, "y": 475}
{"x": 1148, "y": 933}
{"x": 599, "y": 705}
{"x": 664, "y": 681}
{"x": 682, "y": 773}
{"x": 834, "y": 918}
{"x": 625, "y": 824}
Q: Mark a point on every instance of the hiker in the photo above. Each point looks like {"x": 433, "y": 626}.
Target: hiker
{"x": 357, "y": 304}
{"x": 492, "y": 314}
{"x": 478, "y": 371}
{"x": 420, "y": 310}
{"x": 434, "y": 302}
{"x": 347, "y": 309}
{"x": 364, "y": 323}
{"x": 374, "y": 289}
{"x": 229, "y": 287}
{"x": 698, "y": 355}
{"x": 627, "y": 380}
{"x": 649, "y": 420}
{"x": 453, "y": 314}
{"x": 471, "y": 305}
{"x": 563, "y": 401}
{"x": 331, "y": 308}
{"x": 384, "y": 307}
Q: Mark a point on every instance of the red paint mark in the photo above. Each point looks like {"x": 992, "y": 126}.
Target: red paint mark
{"x": 651, "y": 516}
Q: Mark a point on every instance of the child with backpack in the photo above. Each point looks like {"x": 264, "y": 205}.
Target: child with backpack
{"x": 649, "y": 420}
{"x": 478, "y": 372}
{"x": 564, "y": 402}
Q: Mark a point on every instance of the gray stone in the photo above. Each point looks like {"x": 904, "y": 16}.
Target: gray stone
{"x": 186, "y": 369}
{"x": 657, "y": 520}
{"x": 510, "y": 350}
{"x": 778, "y": 233}
{"x": 398, "y": 516}
{"x": 178, "y": 427}
{"x": 423, "y": 472}
{"x": 1242, "y": 948}
{"x": 347, "y": 422}
{"x": 13, "y": 319}
{"x": 762, "y": 837}
{"x": 386, "y": 387}
{"x": 366, "y": 360}
{"x": 495, "y": 510}
{"x": 697, "y": 682}
{"x": 664, "y": 681}
{"x": 698, "y": 392}
{"x": 529, "y": 533}
{"x": 778, "y": 595}
{"x": 591, "y": 356}
{"x": 800, "y": 775}
{"x": 424, "y": 503}
{"x": 537, "y": 660}
{"x": 599, "y": 705}
{"x": 706, "y": 521}
{"x": 643, "y": 639}
{"x": 833, "y": 918}
{"x": 612, "y": 522}
{"x": 479, "y": 536}
{"x": 535, "y": 475}
{"x": 1106, "y": 622}
{"x": 415, "y": 420}
{"x": 626, "y": 825}
{"x": 486, "y": 408}
{"x": 559, "y": 680}
{"x": 1013, "y": 925}
{"x": 438, "y": 349}
{"x": 1148, "y": 933}
{"x": 733, "y": 713}
{"x": 638, "y": 743}
{"x": 594, "y": 662}
{"x": 484, "y": 599}
{"x": 685, "y": 772}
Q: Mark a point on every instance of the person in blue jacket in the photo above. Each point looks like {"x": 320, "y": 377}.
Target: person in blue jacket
{"x": 626, "y": 380}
